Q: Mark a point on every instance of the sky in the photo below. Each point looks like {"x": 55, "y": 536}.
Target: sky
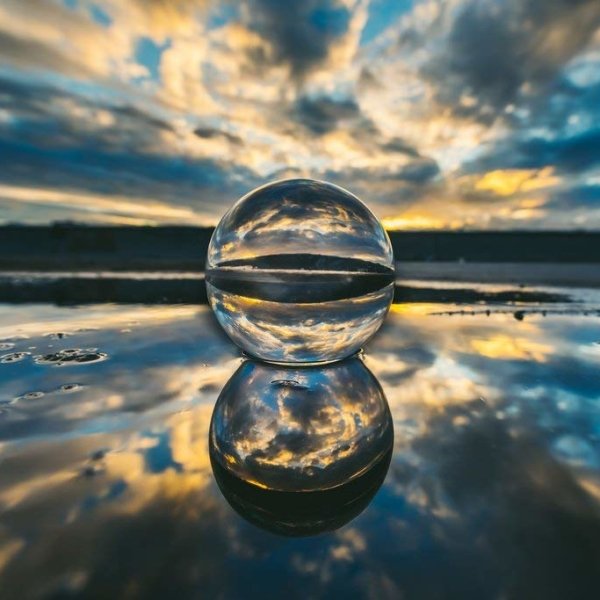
{"x": 474, "y": 114}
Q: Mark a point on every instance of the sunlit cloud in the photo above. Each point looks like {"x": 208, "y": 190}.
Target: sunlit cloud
{"x": 414, "y": 221}
{"x": 427, "y": 111}
{"x": 507, "y": 347}
{"x": 511, "y": 181}
{"x": 119, "y": 209}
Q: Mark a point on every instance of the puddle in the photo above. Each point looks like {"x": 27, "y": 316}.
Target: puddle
{"x": 14, "y": 357}
{"x": 71, "y": 356}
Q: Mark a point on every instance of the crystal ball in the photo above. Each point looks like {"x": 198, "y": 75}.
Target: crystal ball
{"x": 300, "y": 271}
{"x": 300, "y": 430}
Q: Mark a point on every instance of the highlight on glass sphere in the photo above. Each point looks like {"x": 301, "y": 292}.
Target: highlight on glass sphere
{"x": 301, "y": 450}
{"x": 300, "y": 271}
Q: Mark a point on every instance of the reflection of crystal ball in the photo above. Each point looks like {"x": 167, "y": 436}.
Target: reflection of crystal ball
{"x": 301, "y": 513}
{"x": 304, "y": 429}
{"x": 300, "y": 271}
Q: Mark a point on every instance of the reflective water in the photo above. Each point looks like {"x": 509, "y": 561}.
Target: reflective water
{"x": 300, "y": 271}
{"x": 493, "y": 489}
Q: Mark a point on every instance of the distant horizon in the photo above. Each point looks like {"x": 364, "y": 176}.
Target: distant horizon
{"x": 68, "y": 223}
{"x": 182, "y": 248}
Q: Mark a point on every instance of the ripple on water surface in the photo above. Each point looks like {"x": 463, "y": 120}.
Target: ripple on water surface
{"x": 71, "y": 356}
{"x": 32, "y": 396}
{"x": 69, "y": 388}
{"x": 13, "y": 357}
{"x": 59, "y": 335}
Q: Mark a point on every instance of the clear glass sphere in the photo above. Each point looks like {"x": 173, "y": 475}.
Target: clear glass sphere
{"x": 305, "y": 429}
{"x": 300, "y": 271}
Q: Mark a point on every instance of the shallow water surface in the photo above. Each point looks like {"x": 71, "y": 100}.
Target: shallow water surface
{"x": 107, "y": 488}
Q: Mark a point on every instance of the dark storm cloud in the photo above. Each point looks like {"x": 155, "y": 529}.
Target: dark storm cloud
{"x": 416, "y": 172}
{"x": 42, "y": 144}
{"x": 401, "y": 146}
{"x": 140, "y": 117}
{"x": 49, "y": 126}
{"x": 45, "y": 104}
{"x": 494, "y": 48}
{"x": 86, "y": 166}
{"x": 15, "y": 95}
{"x": 322, "y": 115}
{"x": 568, "y": 154}
{"x": 390, "y": 189}
{"x": 299, "y": 31}
{"x": 208, "y": 133}
{"x": 571, "y": 154}
{"x": 542, "y": 135}
{"x": 583, "y": 196}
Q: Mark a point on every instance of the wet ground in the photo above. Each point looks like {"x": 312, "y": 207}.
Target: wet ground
{"x": 492, "y": 490}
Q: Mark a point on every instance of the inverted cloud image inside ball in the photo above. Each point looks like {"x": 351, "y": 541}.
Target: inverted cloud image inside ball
{"x": 300, "y": 450}
{"x": 300, "y": 271}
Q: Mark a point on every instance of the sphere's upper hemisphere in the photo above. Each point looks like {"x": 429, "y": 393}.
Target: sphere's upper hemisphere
{"x": 299, "y": 217}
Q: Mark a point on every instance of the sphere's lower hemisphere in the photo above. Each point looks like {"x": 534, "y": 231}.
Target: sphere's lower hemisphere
{"x": 293, "y": 332}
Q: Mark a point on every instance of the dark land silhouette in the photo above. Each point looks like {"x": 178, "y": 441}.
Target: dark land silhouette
{"x": 316, "y": 262}
{"x": 76, "y": 291}
{"x": 71, "y": 247}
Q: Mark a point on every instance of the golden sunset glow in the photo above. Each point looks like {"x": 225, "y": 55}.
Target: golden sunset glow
{"x": 123, "y": 209}
{"x": 410, "y": 222}
{"x": 507, "y": 347}
{"x": 512, "y": 181}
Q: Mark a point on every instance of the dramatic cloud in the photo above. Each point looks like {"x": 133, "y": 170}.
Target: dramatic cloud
{"x": 321, "y": 115}
{"x": 439, "y": 113}
{"x": 26, "y": 54}
{"x": 300, "y": 34}
{"x": 211, "y": 133}
{"x": 496, "y": 49}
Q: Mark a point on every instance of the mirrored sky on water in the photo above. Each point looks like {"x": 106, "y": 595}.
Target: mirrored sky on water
{"x": 438, "y": 113}
{"x": 493, "y": 489}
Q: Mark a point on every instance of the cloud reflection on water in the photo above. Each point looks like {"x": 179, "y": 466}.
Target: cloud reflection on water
{"x": 493, "y": 488}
